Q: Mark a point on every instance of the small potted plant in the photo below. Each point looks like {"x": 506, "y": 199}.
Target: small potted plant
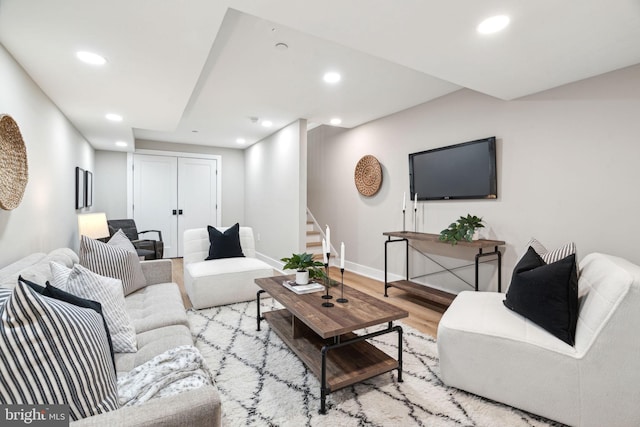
{"x": 463, "y": 228}
{"x": 306, "y": 267}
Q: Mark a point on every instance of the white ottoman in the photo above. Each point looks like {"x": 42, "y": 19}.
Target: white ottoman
{"x": 221, "y": 281}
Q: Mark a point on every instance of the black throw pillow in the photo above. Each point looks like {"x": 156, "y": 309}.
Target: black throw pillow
{"x": 224, "y": 245}
{"x": 59, "y": 294}
{"x": 546, "y": 294}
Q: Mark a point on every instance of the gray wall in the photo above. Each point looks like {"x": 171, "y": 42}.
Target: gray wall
{"x": 46, "y": 219}
{"x": 275, "y": 193}
{"x": 567, "y": 171}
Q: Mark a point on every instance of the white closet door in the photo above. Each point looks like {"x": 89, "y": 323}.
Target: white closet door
{"x": 154, "y": 198}
{"x": 197, "y": 195}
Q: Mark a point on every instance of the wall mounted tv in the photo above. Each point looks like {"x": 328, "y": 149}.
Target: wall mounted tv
{"x": 461, "y": 171}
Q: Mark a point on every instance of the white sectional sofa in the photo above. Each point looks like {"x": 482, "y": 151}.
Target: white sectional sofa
{"x": 221, "y": 281}
{"x": 161, "y": 324}
{"x": 491, "y": 351}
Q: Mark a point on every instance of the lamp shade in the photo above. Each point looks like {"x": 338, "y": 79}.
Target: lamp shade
{"x": 93, "y": 225}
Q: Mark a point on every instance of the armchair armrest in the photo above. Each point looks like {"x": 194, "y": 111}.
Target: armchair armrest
{"x": 195, "y": 408}
{"x": 157, "y": 271}
{"x": 152, "y": 231}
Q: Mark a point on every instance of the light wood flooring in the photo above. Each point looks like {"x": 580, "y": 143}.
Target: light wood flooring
{"x": 423, "y": 315}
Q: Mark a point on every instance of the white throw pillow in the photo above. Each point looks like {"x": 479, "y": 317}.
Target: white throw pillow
{"x": 105, "y": 290}
{"x": 117, "y": 259}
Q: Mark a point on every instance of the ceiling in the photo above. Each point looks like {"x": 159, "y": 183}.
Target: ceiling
{"x": 208, "y": 72}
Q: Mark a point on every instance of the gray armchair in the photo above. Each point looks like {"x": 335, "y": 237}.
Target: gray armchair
{"x": 149, "y": 249}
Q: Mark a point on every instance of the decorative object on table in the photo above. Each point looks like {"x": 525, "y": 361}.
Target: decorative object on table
{"x": 404, "y": 209}
{"x": 14, "y": 170}
{"x": 368, "y": 175}
{"x": 79, "y": 188}
{"x": 462, "y": 229}
{"x": 306, "y": 267}
{"x": 303, "y": 289}
{"x": 326, "y": 254}
{"x": 88, "y": 189}
{"x": 342, "y": 299}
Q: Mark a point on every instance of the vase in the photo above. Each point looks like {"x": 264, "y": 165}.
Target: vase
{"x": 302, "y": 277}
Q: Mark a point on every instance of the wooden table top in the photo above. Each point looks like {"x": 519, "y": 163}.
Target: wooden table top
{"x": 361, "y": 311}
{"x": 435, "y": 238}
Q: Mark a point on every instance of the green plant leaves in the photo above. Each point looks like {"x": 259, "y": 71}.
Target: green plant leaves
{"x": 462, "y": 229}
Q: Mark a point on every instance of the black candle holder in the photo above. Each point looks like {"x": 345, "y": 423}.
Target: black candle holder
{"x": 415, "y": 220}
{"x": 404, "y": 224}
{"x": 342, "y": 299}
{"x": 326, "y": 296}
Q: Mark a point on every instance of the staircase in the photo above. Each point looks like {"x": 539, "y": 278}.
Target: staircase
{"x": 314, "y": 238}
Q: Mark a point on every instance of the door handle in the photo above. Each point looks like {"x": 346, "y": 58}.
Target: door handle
{"x": 179, "y": 211}
{"x": 175, "y": 212}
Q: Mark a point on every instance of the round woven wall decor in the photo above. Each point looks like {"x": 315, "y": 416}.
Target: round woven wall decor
{"x": 368, "y": 175}
{"x": 14, "y": 172}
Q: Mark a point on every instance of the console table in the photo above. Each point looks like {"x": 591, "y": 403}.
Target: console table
{"x": 427, "y": 292}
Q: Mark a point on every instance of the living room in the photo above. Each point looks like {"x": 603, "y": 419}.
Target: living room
{"x": 566, "y": 169}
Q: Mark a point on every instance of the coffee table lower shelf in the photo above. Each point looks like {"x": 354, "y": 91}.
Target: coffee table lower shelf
{"x": 347, "y": 359}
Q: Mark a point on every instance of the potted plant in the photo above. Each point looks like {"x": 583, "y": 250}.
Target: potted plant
{"x": 461, "y": 229}
{"x": 306, "y": 267}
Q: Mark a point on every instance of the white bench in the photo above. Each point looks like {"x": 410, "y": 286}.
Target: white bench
{"x": 221, "y": 281}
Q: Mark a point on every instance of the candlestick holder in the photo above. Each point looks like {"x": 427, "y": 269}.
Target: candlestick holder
{"x": 415, "y": 220}
{"x": 342, "y": 299}
{"x": 404, "y": 224}
{"x": 326, "y": 296}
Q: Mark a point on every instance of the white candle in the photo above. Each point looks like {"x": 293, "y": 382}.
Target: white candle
{"x": 404, "y": 201}
{"x": 415, "y": 203}
{"x": 324, "y": 251}
{"x": 328, "y": 240}
{"x": 342, "y": 255}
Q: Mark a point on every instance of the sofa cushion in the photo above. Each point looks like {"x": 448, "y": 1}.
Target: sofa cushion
{"x": 224, "y": 244}
{"x": 112, "y": 261}
{"x": 547, "y": 294}
{"x": 156, "y": 306}
{"x": 108, "y": 292}
{"x": 52, "y": 352}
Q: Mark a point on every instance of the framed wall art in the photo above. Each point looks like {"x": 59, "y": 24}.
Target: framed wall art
{"x": 79, "y": 188}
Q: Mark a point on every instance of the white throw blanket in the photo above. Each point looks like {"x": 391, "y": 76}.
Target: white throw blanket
{"x": 172, "y": 372}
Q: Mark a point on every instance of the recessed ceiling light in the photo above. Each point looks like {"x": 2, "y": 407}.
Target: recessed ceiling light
{"x": 121, "y": 144}
{"x": 267, "y": 123}
{"x": 282, "y": 46}
{"x": 90, "y": 58}
{"x": 335, "y": 121}
{"x": 332, "y": 77}
{"x": 241, "y": 140}
{"x": 114, "y": 117}
{"x": 493, "y": 24}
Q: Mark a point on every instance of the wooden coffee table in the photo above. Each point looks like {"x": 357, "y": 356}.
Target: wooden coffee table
{"x": 323, "y": 337}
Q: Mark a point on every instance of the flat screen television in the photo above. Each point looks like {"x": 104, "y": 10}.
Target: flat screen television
{"x": 461, "y": 171}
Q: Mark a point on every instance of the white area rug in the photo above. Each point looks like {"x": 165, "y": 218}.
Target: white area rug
{"x": 262, "y": 383}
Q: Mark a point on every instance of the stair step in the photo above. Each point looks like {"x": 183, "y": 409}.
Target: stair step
{"x": 314, "y": 244}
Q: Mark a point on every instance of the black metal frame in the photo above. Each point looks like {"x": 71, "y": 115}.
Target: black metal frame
{"x": 479, "y": 255}
{"x": 337, "y": 343}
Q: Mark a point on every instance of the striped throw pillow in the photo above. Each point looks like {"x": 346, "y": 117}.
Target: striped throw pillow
{"x": 114, "y": 261}
{"x": 52, "y": 352}
{"x": 107, "y": 291}
{"x": 555, "y": 255}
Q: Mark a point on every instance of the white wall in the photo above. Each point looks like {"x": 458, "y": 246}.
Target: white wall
{"x": 110, "y": 183}
{"x": 567, "y": 170}
{"x": 275, "y": 192}
{"x": 46, "y": 219}
{"x": 112, "y": 170}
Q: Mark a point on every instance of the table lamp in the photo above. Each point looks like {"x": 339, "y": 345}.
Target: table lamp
{"x": 93, "y": 225}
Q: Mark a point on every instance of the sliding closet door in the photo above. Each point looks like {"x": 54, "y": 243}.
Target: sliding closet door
{"x": 197, "y": 195}
{"x": 155, "y": 193}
